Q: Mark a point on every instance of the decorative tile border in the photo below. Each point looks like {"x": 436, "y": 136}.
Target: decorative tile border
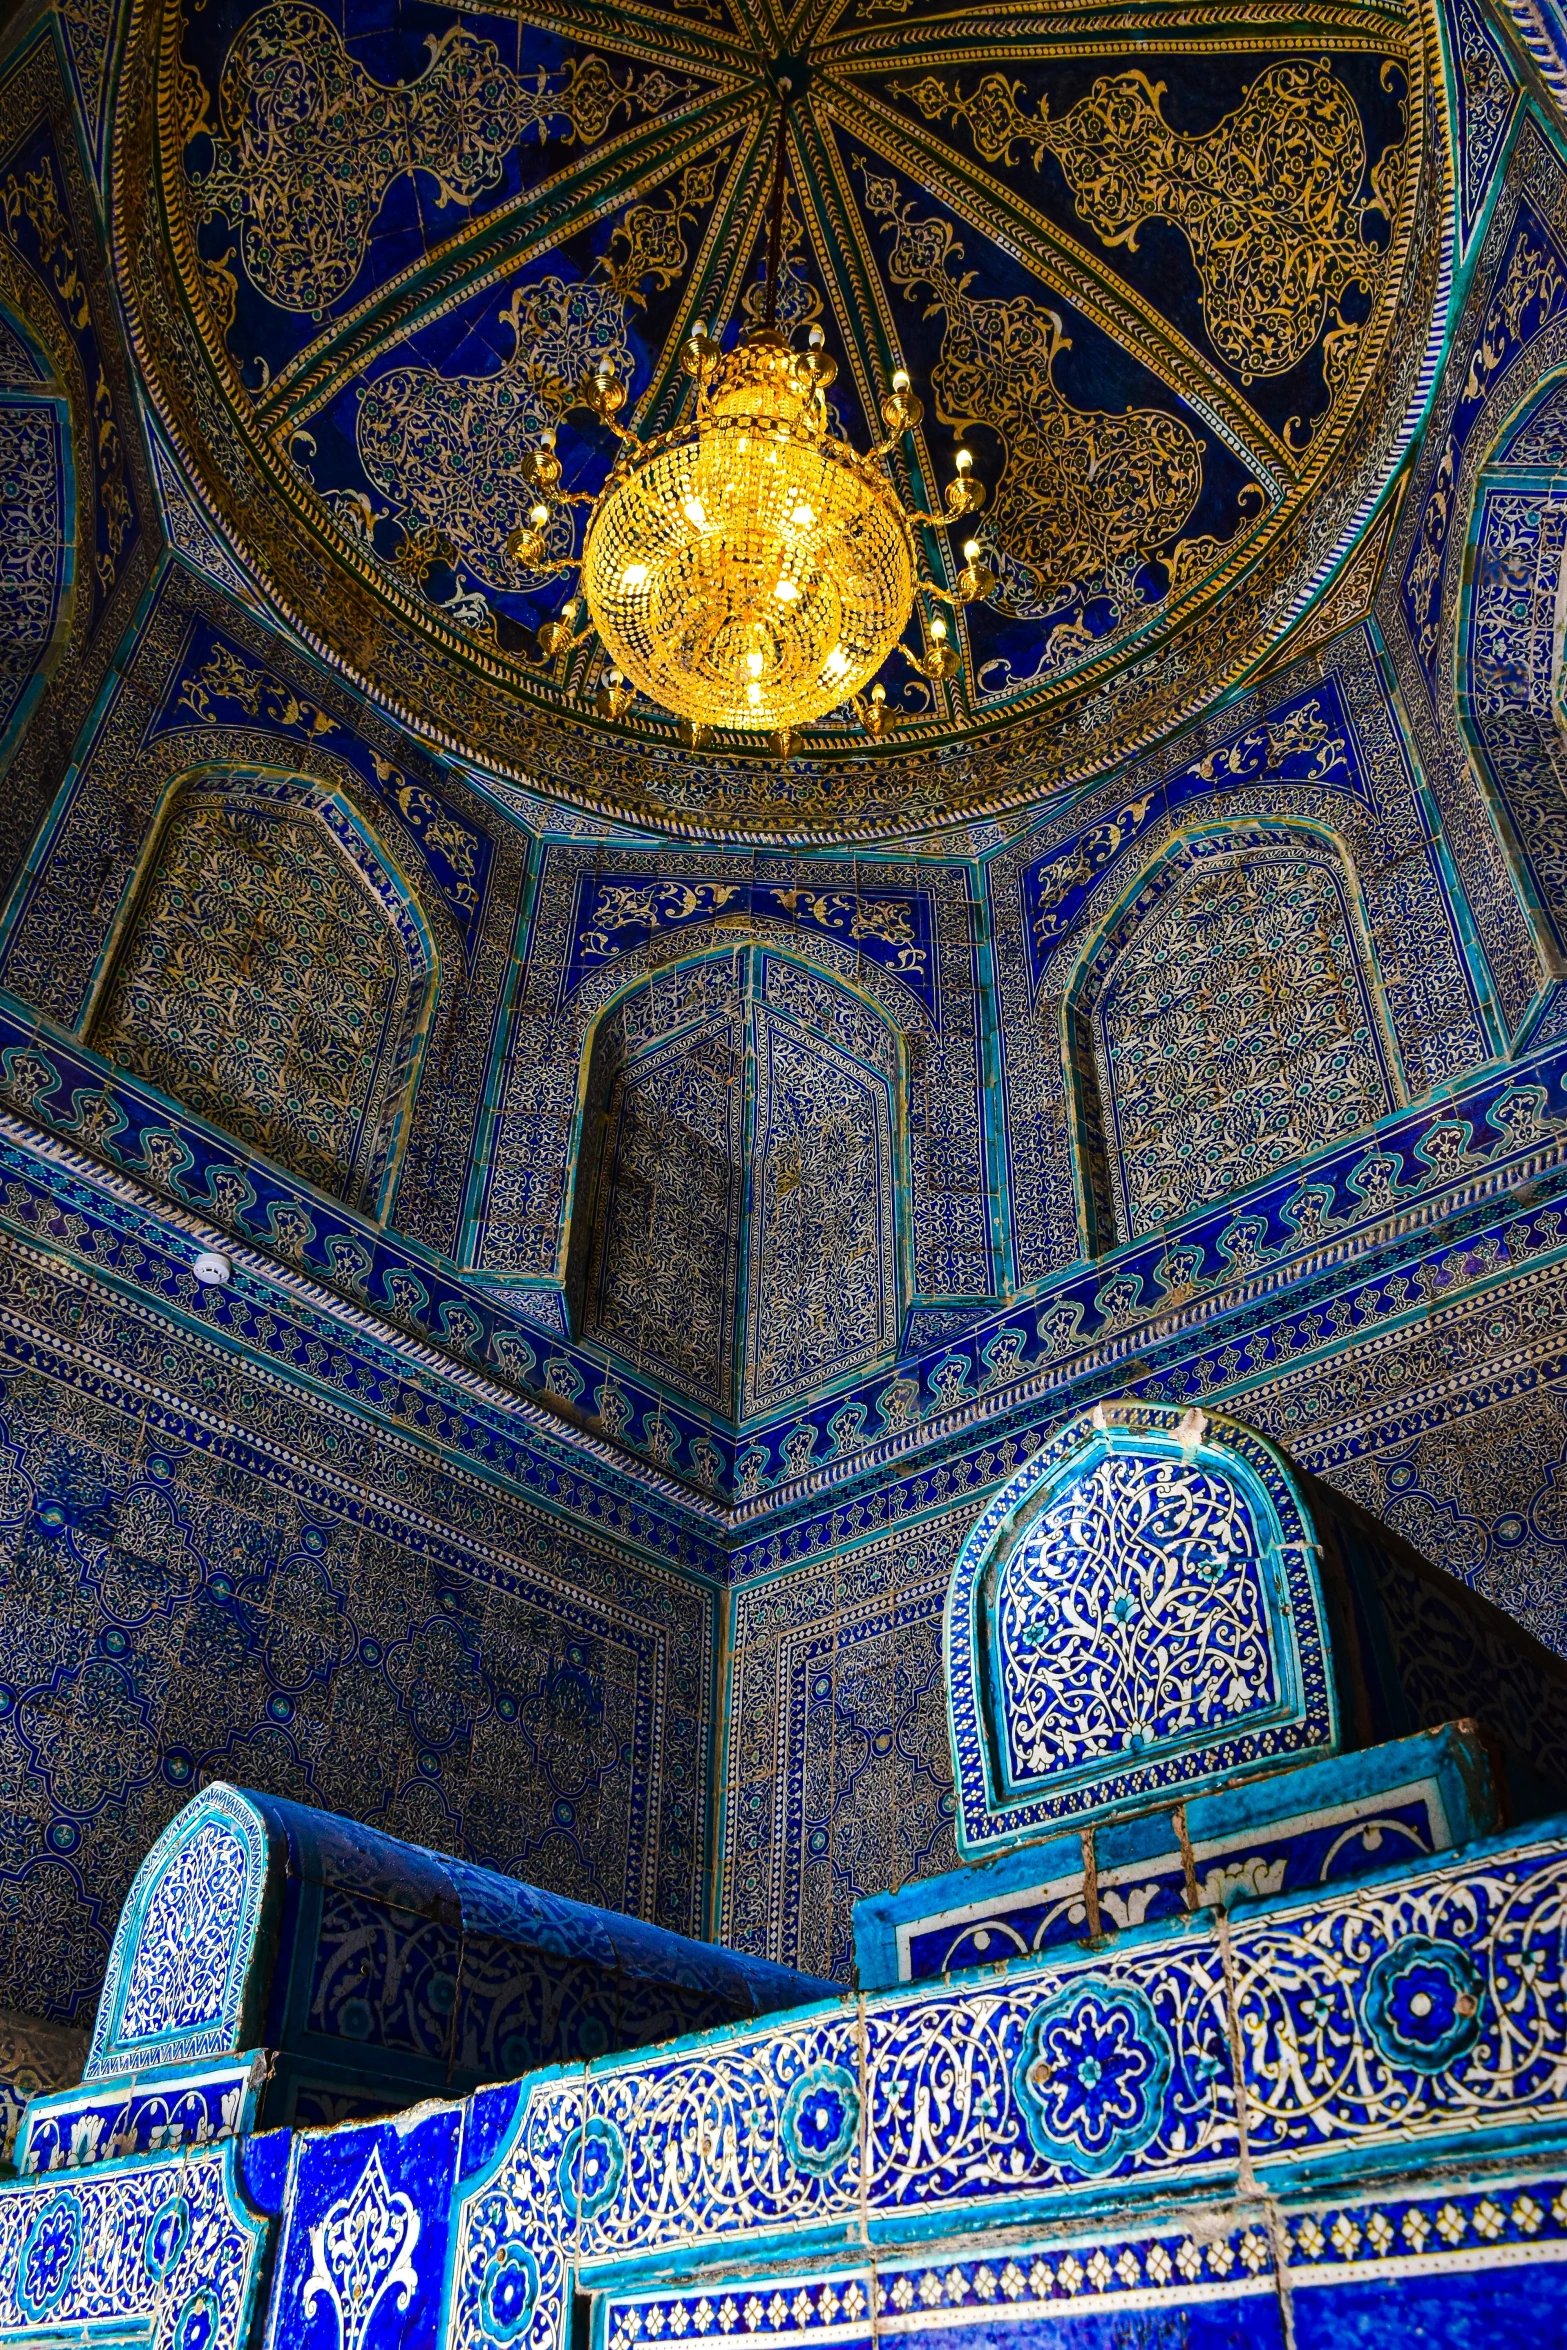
{"x": 1218, "y": 2255}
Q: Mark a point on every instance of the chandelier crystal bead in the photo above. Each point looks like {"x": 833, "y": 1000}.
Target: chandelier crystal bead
{"x": 756, "y": 572}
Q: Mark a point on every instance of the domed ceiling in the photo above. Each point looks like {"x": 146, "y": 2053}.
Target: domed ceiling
{"x": 1169, "y": 272}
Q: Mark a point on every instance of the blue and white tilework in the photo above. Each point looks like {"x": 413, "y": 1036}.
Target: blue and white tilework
{"x": 1137, "y": 1610}
{"x": 1316, "y": 1824}
{"x": 148, "y": 2244}
{"x": 181, "y": 1961}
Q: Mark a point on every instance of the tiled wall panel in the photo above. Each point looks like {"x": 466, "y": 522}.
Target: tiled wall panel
{"x": 181, "y": 1598}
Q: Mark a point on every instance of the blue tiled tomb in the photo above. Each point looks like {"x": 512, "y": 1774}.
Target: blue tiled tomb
{"x": 1275, "y": 2044}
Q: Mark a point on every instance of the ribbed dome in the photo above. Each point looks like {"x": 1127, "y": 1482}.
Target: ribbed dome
{"x": 1149, "y": 274}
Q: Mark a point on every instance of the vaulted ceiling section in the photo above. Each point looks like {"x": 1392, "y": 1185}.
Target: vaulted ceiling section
{"x": 1171, "y": 272}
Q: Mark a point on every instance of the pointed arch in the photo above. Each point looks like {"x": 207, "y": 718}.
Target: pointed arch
{"x": 274, "y": 969}
{"x": 1223, "y": 1021}
{"x": 736, "y": 1220}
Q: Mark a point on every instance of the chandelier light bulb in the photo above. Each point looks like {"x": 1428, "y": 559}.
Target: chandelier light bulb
{"x": 938, "y": 628}
{"x": 971, "y": 550}
{"x": 900, "y": 379}
{"x": 964, "y": 461}
{"x": 538, "y": 516}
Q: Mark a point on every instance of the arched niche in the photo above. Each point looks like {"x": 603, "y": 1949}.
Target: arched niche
{"x": 1136, "y": 1614}
{"x": 736, "y": 1221}
{"x": 1510, "y": 688}
{"x": 274, "y": 971}
{"x": 1223, "y": 1022}
{"x": 38, "y": 521}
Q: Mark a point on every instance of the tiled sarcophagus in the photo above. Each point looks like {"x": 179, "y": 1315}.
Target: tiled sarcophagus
{"x": 1245, "y": 2021}
{"x": 1180, "y": 1674}
{"x": 277, "y": 1965}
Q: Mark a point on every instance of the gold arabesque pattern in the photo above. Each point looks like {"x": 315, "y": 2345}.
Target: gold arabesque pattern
{"x": 1151, "y": 514}
{"x": 1054, "y": 519}
{"x": 1269, "y": 200}
{"x": 310, "y": 142}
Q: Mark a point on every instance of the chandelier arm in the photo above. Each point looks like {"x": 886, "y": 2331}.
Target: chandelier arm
{"x": 932, "y": 670}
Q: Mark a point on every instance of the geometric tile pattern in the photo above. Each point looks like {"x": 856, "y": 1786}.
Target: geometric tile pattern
{"x": 1233, "y": 1032}
{"x": 251, "y": 1535}
{"x": 1511, "y": 336}
{"x": 1201, "y": 2275}
{"x": 263, "y": 982}
{"x": 184, "y": 1599}
{"x": 839, "y": 1779}
{"x": 881, "y": 943}
{"x": 54, "y": 279}
{"x": 1320, "y": 1000}
{"x": 36, "y": 538}
{"x": 1114, "y": 2066}
{"x": 34, "y": 2058}
{"x": 1509, "y": 638}
{"x": 756, "y": 1143}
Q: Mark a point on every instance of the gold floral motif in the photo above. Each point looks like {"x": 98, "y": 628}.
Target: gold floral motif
{"x": 311, "y": 142}
{"x": 654, "y": 234}
{"x": 225, "y": 677}
{"x": 220, "y": 288}
{"x": 1082, "y": 490}
{"x": 650, "y": 905}
{"x": 114, "y": 499}
{"x": 884, "y": 919}
{"x": 453, "y": 692}
{"x": 1268, "y": 200}
{"x": 437, "y": 831}
{"x": 451, "y": 448}
{"x": 38, "y": 196}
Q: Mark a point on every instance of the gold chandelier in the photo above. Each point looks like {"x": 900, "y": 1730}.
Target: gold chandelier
{"x": 750, "y": 569}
